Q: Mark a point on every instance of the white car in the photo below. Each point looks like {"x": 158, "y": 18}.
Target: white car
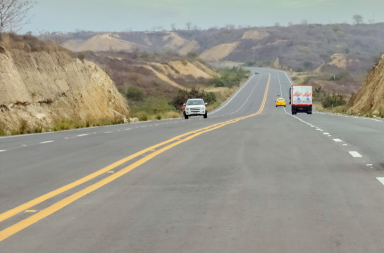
{"x": 195, "y": 107}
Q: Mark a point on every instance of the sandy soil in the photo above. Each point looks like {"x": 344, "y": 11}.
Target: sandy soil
{"x": 256, "y": 35}
{"x": 218, "y": 52}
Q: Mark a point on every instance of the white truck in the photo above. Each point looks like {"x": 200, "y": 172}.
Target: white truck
{"x": 300, "y": 97}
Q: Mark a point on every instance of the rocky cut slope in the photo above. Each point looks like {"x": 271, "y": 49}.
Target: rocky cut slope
{"x": 370, "y": 98}
{"x": 41, "y": 83}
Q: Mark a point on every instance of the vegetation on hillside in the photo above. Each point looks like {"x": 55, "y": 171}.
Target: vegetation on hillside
{"x": 230, "y": 77}
{"x": 183, "y": 95}
{"x": 328, "y": 100}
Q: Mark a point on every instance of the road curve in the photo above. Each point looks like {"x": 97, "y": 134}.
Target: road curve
{"x": 250, "y": 178}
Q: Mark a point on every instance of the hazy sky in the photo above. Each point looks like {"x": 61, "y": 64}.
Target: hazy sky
{"x": 122, "y": 15}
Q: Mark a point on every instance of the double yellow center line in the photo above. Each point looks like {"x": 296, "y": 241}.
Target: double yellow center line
{"x": 62, "y": 203}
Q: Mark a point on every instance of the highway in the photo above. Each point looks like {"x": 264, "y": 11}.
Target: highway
{"x": 250, "y": 178}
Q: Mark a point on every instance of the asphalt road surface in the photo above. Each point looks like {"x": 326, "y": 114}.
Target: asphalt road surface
{"x": 250, "y": 178}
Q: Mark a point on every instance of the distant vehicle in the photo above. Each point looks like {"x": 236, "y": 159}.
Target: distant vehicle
{"x": 195, "y": 107}
{"x": 256, "y": 73}
{"x": 300, "y": 97}
{"x": 280, "y": 102}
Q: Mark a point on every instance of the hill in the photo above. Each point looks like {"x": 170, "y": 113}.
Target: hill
{"x": 301, "y": 47}
{"x": 42, "y": 84}
{"x": 369, "y": 99}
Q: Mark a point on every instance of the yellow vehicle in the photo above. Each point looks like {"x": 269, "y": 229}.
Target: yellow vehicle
{"x": 280, "y": 102}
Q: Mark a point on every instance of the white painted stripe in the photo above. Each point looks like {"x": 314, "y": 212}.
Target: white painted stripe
{"x": 325, "y": 133}
{"x": 108, "y": 132}
{"x": 355, "y": 154}
{"x": 329, "y": 135}
{"x": 46, "y": 142}
{"x": 337, "y": 140}
{"x": 2, "y": 151}
{"x": 369, "y": 165}
{"x": 344, "y": 144}
{"x": 128, "y": 129}
{"x": 381, "y": 179}
{"x": 82, "y": 135}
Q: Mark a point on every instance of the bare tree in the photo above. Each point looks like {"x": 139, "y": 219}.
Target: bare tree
{"x": 13, "y": 14}
{"x": 277, "y": 24}
{"x": 304, "y": 22}
{"x": 189, "y": 25}
{"x": 173, "y": 26}
{"x": 230, "y": 27}
{"x": 290, "y": 24}
{"x": 357, "y": 19}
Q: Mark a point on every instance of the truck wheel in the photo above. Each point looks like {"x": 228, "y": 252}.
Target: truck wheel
{"x": 205, "y": 115}
{"x": 309, "y": 112}
{"x": 276, "y": 105}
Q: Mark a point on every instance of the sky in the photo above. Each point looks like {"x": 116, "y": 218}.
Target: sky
{"x": 142, "y": 15}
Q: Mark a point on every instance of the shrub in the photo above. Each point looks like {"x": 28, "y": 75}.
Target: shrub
{"x": 142, "y": 116}
{"x": 135, "y": 93}
{"x": 183, "y": 95}
{"x": 332, "y": 100}
{"x": 81, "y": 56}
{"x": 3, "y": 132}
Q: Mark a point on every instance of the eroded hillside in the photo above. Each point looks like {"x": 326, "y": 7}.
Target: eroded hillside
{"x": 41, "y": 83}
{"x": 370, "y": 98}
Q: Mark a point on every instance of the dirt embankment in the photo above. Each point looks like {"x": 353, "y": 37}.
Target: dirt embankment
{"x": 370, "y": 98}
{"x": 42, "y": 86}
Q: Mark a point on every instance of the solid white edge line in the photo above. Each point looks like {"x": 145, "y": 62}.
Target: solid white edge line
{"x": 238, "y": 91}
{"x": 249, "y": 94}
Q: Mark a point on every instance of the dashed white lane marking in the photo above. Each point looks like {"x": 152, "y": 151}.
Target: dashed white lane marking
{"x": 381, "y": 179}
{"x": 337, "y": 140}
{"x": 369, "y": 165}
{"x": 108, "y": 132}
{"x": 82, "y": 135}
{"x": 325, "y": 133}
{"x": 355, "y": 154}
{"x": 344, "y": 144}
{"x": 329, "y": 135}
{"x": 2, "y": 151}
{"x": 46, "y": 142}
{"x": 128, "y": 129}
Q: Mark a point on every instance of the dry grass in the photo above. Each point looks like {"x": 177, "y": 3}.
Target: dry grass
{"x": 28, "y": 43}
{"x": 144, "y": 116}
{"x": 67, "y": 124}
